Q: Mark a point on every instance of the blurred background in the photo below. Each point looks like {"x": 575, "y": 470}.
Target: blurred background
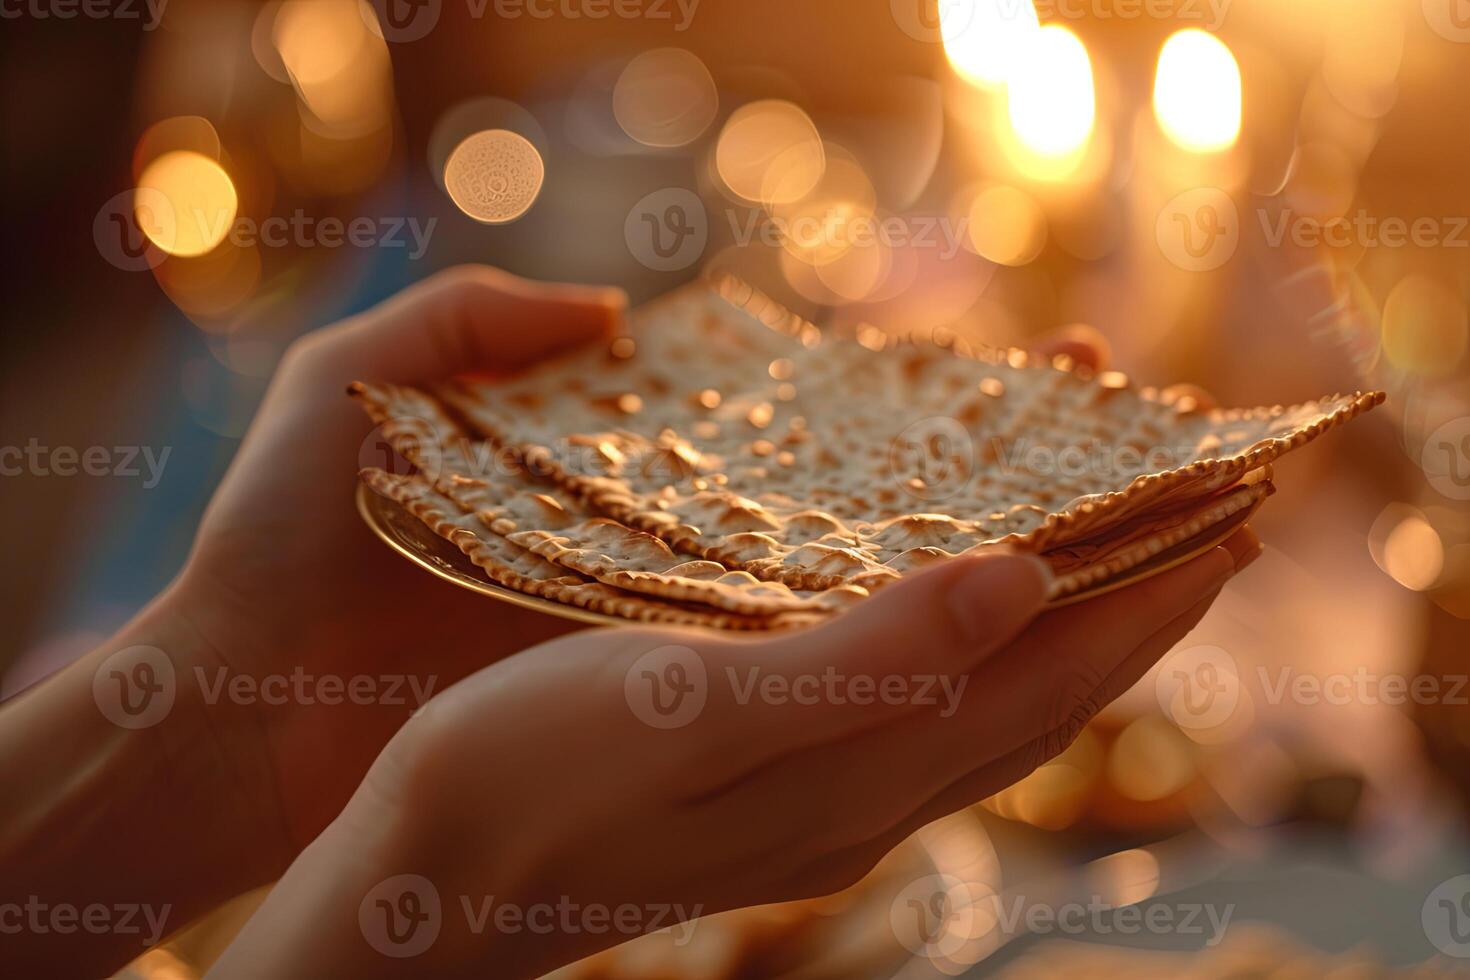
{"x": 1263, "y": 198}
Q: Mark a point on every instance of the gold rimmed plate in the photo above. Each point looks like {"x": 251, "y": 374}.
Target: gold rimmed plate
{"x": 409, "y": 537}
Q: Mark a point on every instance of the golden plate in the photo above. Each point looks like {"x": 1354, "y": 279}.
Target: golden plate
{"x": 406, "y": 535}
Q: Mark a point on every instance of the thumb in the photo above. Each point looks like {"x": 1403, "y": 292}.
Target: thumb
{"x": 470, "y": 317}
{"x": 941, "y": 623}
{"x": 947, "y": 618}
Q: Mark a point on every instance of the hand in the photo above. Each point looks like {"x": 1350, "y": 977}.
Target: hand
{"x": 285, "y": 577}
{"x": 666, "y": 769}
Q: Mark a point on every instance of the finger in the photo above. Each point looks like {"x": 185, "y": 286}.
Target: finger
{"x": 777, "y": 696}
{"x": 996, "y": 775}
{"x": 1051, "y": 679}
{"x": 1081, "y": 343}
{"x": 466, "y": 318}
{"x": 989, "y": 776}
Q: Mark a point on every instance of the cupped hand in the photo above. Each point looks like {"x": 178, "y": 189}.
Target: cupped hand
{"x": 284, "y": 579}
{"x": 659, "y": 769}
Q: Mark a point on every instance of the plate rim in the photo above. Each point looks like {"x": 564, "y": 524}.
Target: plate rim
{"x": 371, "y": 507}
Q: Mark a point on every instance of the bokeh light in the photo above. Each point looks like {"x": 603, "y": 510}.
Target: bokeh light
{"x": 1425, "y": 330}
{"x": 665, "y": 97}
{"x": 770, "y": 152}
{"x": 494, "y": 176}
{"x": 1407, "y": 547}
{"x": 1006, "y": 225}
{"x": 199, "y": 201}
{"x": 985, "y": 40}
{"x": 1051, "y": 102}
{"x": 1197, "y": 99}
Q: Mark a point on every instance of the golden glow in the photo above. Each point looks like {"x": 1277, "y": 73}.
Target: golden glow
{"x": 1051, "y": 102}
{"x": 1197, "y": 92}
{"x": 1413, "y": 554}
{"x": 1425, "y": 330}
{"x": 494, "y": 176}
{"x": 834, "y": 216}
{"x": 176, "y": 133}
{"x": 1150, "y": 760}
{"x": 665, "y": 97}
{"x": 185, "y": 203}
{"x": 770, "y": 152}
{"x": 338, "y": 66}
{"x": 1362, "y": 55}
{"x": 1125, "y": 878}
{"x": 1006, "y": 225}
{"x": 1054, "y": 796}
{"x": 984, "y": 39}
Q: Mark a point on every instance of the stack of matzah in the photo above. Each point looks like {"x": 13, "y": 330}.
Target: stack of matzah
{"x": 726, "y": 464}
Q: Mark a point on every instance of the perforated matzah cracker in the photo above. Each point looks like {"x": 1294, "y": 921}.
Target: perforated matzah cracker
{"x": 746, "y": 437}
{"x": 516, "y": 568}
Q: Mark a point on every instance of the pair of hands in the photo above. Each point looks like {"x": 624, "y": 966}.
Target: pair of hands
{"x": 646, "y": 766}
{"x": 555, "y": 776}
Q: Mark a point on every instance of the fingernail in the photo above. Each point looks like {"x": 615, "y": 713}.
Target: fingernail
{"x": 1000, "y": 580}
{"x": 1244, "y": 547}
